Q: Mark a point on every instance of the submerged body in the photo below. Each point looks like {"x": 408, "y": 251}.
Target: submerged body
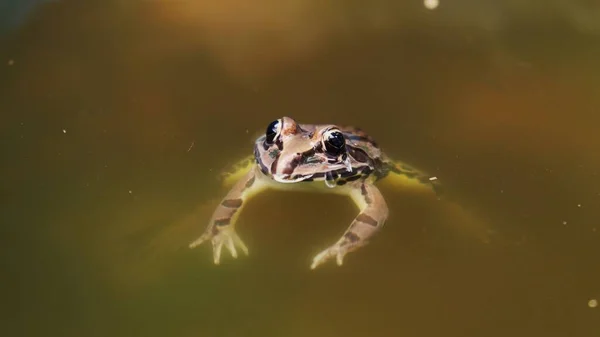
{"x": 327, "y": 158}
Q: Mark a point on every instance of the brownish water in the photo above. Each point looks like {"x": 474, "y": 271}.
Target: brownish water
{"x": 117, "y": 118}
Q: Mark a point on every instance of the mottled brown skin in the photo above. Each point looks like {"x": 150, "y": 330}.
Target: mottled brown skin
{"x": 325, "y": 158}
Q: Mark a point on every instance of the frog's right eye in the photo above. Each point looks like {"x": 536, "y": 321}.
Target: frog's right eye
{"x": 334, "y": 142}
{"x": 273, "y": 131}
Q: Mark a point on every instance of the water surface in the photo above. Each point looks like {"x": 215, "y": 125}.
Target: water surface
{"x": 118, "y": 117}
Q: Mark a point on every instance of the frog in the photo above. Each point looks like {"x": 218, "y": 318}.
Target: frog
{"x": 290, "y": 156}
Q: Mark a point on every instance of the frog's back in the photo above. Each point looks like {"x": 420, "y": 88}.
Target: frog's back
{"x": 361, "y": 144}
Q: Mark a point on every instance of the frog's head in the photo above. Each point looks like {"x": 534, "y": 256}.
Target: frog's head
{"x": 290, "y": 152}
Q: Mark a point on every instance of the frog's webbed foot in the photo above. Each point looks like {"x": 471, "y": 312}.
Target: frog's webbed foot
{"x": 372, "y": 216}
{"x": 337, "y": 251}
{"x": 220, "y": 237}
{"x": 221, "y": 229}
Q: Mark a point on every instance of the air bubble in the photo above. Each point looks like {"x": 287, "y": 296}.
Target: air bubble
{"x": 431, "y": 4}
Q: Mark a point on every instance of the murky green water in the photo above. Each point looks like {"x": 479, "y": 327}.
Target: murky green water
{"x": 117, "y": 119}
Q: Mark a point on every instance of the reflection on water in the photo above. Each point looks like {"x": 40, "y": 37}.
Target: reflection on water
{"x": 117, "y": 120}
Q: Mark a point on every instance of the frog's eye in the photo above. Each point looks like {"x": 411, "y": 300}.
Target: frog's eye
{"x": 272, "y": 131}
{"x": 334, "y": 142}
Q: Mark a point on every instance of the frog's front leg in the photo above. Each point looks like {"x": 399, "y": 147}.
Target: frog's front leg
{"x": 372, "y": 216}
{"x": 221, "y": 229}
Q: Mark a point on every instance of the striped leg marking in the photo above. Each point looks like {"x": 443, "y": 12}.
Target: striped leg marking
{"x": 372, "y": 216}
{"x": 221, "y": 230}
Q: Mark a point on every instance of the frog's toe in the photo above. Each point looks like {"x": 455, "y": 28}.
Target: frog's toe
{"x": 231, "y": 248}
{"x": 233, "y": 240}
{"x": 230, "y": 240}
{"x": 199, "y": 240}
{"x": 217, "y": 246}
{"x": 223, "y": 237}
{"x": 320, "y": 259}
{"x": 334, "y": 251}
{"x": 236, "y": 241}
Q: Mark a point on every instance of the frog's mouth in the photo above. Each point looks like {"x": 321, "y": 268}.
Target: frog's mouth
{"x": 286, "y": 178}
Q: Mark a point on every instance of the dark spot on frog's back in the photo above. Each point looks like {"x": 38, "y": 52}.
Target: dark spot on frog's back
{"x": 318, "y": 175}
{"x": 366, "y": 170}
{"x": 365, "y": 193}
{"x": 358, "y": 154}
{"x": 344, "y": 173}
{"x": 232, "y": 203}
{"x": 289, "y": 169}
{"x": 222, "y": 222}
{"x": 274, "y": 153}
{"x": 352, "y": 237}
{"x": 366, "y": 219}
{"x": 353, "y": 178}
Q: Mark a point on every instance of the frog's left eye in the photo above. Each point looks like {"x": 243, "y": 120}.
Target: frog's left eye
{"x": 334, "y": 142}
{"x": 272, "y": 131}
